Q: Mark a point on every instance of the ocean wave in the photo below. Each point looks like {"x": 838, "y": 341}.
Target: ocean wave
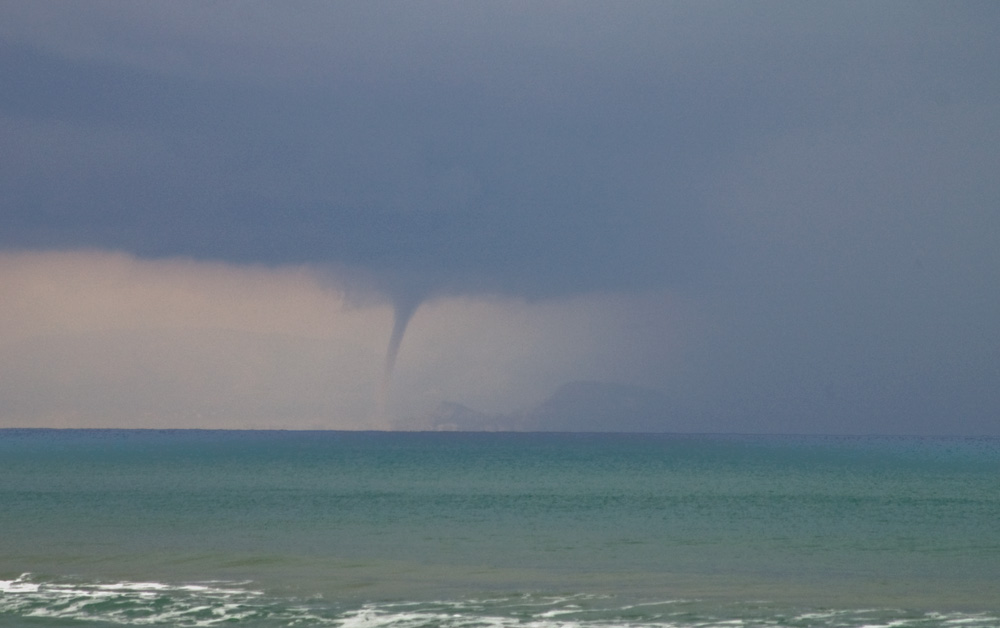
{"x": 134, "y": 603}
{"x": 67, "y": 602}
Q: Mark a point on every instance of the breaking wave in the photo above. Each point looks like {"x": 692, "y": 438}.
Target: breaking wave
{"x": 66, "y": 603}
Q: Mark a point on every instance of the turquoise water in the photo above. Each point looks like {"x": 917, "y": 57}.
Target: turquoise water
{"x": 363, "y": 530}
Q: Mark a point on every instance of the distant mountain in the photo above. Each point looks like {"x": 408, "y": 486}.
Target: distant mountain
{"x": 583, "y": 406}
{"x": 451, "y": 416}
{"x": 600, "y": 407}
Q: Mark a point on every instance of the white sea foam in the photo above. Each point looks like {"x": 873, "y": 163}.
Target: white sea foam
{"x": 130, "y": 603}
{"x": 236, "y": 603}
{"x": 18, "y": 585}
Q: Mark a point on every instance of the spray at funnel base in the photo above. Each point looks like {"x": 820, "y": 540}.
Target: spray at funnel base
{"x": 403, "y": 310}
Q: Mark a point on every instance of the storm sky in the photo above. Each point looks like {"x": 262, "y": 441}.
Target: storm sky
{"x": 781, "y": 217}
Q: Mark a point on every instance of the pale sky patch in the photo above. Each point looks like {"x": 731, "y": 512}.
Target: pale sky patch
{"x": 94, "y": 338}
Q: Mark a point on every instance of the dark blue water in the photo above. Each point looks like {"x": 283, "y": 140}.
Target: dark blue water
{"x": 183, "y": 528}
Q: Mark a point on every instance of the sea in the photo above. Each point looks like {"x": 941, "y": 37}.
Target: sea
{"x": 496, "y": 530}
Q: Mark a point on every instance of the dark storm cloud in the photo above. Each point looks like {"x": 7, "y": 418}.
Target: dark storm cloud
{"x": 536, "y": 161}
{"x": 451, "y": 184}
{"x": 819, "y": 179}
